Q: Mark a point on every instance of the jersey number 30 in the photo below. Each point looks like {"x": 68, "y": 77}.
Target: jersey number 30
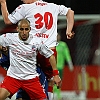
{"x": 47, "y": 19}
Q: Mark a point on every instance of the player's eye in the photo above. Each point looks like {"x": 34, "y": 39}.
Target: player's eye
{"x": 26, "y": 29}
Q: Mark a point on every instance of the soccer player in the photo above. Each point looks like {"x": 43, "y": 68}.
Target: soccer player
{"x": 63, "y": 55}
{"x": 21, "y": 94}
{"x": 43, "y": 20}
{"x": 22, "y": 71}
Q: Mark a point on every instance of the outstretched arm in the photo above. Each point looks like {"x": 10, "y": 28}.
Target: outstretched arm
{"x": 5, "y": 12}
{"x": 70, "y": 24}
{"x": 56, "y": 78}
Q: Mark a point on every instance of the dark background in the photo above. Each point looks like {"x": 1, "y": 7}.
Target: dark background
{"x": 79, "y": 6}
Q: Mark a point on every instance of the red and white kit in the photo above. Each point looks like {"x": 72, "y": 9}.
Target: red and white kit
{"x": 43, "y": 20}
{"x": 22, "y": 71}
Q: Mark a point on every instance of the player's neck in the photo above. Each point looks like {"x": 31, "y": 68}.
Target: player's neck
{"x": 35, "y": 0}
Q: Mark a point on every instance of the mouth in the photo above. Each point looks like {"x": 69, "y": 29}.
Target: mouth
{"x": 24, "y": 37}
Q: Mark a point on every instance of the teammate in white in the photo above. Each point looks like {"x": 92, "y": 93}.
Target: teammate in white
{"x": 43, "y": 17}
{"x": 22, "y": 71}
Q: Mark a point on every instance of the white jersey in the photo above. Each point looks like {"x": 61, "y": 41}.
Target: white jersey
{"x": 43, "y": 19}
{"x": 23, "y": 55}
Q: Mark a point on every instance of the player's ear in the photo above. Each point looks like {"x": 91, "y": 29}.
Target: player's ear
{"x": 30, "y": 28}
{"x": 17, "y": 29}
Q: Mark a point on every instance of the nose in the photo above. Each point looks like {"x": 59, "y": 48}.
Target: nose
{"x": 23, "y": 31}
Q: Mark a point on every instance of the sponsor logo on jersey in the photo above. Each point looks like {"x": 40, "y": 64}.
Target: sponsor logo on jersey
{"x": 42, "y": 35}
{"x": 33, "y": 48}
{"x": 22, "y": 53}
{"x": 41, "y": 4}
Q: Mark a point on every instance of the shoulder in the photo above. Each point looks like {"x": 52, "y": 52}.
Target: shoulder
{"x": 20, "y": 6}
{"x": 6, "y": 35}
{"x": 53, "y": 4}
{"x": 11, "y": 35}
{"x": 23, "y": 7}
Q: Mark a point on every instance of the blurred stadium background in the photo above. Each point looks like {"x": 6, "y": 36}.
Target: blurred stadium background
{"x": 84, "y": 82}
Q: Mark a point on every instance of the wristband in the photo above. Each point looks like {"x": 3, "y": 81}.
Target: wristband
{"x": 55, "y": 72}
